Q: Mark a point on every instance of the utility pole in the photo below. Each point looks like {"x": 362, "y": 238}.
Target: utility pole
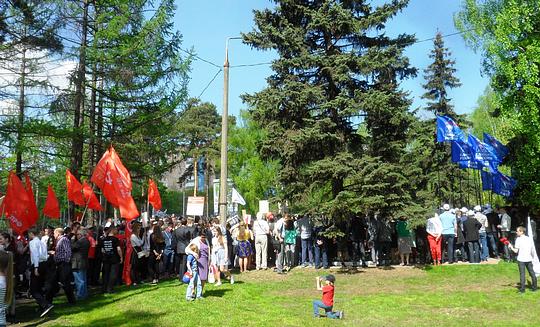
{"x": 224, "y": 141}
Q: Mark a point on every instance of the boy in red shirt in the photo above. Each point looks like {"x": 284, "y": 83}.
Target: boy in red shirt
{"x": 327, "y": 298}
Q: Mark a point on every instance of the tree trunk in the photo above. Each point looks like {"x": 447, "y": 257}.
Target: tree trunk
{"x": 92, "y": 123}
{"x": 195, "y": 159}
{"x": 78, "y": 116}
{"x": 21, "y": 113}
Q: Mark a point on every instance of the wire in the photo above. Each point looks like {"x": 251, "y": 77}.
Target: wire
{"x": 212, "y": 80}
{"x": 252, "y": 65}
{"x": 199, "y": 58}
{"x": 416, "y": 42}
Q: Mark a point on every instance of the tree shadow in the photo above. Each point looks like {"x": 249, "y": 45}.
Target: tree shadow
{"x": 216, "y": 292}
{"x": 350, "y": 271}
{"x": 132, "y": 318}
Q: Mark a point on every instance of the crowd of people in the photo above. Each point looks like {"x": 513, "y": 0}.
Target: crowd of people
{"x": 198, "y": 250}
{"x": 470, "y": 235}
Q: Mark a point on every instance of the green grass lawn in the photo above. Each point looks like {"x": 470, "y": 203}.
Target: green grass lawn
{"x": 457, "y": 295}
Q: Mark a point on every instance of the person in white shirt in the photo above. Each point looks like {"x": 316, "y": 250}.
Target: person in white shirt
{"x": 261, "y": 231}
{"x": 524, "y": 247}
{"x": 505, "y": 226}
{"x": 38, "y": 260}
{"x": 434, "y": 231}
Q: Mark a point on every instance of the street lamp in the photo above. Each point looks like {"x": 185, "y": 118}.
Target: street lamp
{"x": 224, "y": 135}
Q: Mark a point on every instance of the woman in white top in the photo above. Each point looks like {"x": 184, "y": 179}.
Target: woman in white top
{"x": 434, "y": 231}
{"x": 219, "y": 255}
{"x": 137, "y": 254}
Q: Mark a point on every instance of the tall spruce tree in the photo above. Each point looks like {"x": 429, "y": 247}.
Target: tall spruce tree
{"x": 440, "y": 76}
{"x": 442, "y": 177}
{"x": 337, "y": 71}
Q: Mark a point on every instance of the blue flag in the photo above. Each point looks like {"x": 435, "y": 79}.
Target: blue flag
{"x": 461, "y": 151}
{"x": 503, "y": 185}
{"x": 469, "y": 164}
{"x": 448, "y": 130}
{"x": 481, "y": 151}
{"x": 487, "y": 181}
{"x": 500, "y": 150}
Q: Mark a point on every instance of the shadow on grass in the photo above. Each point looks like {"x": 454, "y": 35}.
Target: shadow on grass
{"x": 132, "y": 318}
{"x": 216, "y": 292}
{"x": 27, "y": 314}
{"x": 350, "y": 271}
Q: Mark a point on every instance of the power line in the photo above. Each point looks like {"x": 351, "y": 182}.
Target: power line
{"x": 208, "y": 85}
{"x": 199, "y": 58}
{"x": 416, "y": 42}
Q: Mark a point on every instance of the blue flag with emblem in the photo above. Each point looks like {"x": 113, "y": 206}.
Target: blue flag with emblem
{"x": 481, "y": 151}
{"x": 487, "y": 180}
{"x": 448, "y": 130}
{"x": 500, "y": 150}
{"x": 461, "y": 151}
{"x": 503, "y": 185}
{"x": 469, "y": 164}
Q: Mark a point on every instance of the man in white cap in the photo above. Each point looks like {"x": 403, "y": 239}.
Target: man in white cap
{"x": 449, "y": 232}
{"x": 482, "y": 219}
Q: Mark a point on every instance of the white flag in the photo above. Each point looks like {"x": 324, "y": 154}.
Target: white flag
{"x": 237, "y": 198}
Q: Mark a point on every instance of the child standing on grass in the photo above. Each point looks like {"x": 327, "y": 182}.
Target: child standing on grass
{"x": 525, "y": 249}
{"x": 6, "y": 284}
{"x": 195, "y": 280}
{"x": 327, "y": 302}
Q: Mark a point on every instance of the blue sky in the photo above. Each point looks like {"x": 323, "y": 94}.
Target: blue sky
{"x": 205, "y": 25}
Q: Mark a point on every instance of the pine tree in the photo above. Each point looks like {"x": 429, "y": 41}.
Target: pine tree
{"x": 440, "y": 76}
{"x": 332, "y": 76}
{"x": 26, "y": 48}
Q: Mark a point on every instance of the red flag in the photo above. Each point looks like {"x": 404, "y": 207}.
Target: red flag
{"x": 32, "y": 208}
{"x": 153, "y": 195}
{"x": 114, "y": 180}
{"x": 102, "y": 179}
{"x": 52, "y": 207}
{"x": 17, "y": 205}
{"x": 74, "y": 189}
{"x": 90, "y": 198}
{"x": 126, "y": 272}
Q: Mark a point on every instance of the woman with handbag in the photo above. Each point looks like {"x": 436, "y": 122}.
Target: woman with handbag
{"x": 137, "y": 253}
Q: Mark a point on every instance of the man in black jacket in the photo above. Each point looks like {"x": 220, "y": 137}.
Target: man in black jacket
{"x": 79, "y": 262}
{"x": 491, "y": 230}
{"x": 182, "y": 236}
{"x": 471, "y": 227}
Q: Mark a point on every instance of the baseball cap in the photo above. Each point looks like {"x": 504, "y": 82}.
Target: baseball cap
{"x": 330, "y": 278}
{"x": 446, "y": 206}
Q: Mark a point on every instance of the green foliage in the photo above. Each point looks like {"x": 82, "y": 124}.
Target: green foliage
{"x": 255, "y": 178}
{"x": 331, "y": 77}
{"x": 507, "y": 33}
{"x": 198, "y": 128}
{"x": 439, "y": 77}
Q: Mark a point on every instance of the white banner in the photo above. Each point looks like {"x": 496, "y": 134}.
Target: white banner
{"x": 264, "y": 206}
{"x": 195, "y": 206}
